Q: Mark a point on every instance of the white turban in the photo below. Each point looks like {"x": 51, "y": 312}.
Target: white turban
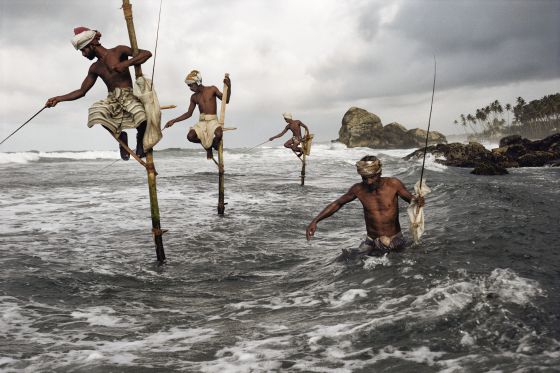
{"x": 82, "y": 39}
{"x": 369, "y": 168}
{"x": 287, "y": 115}
{"x": 193, "y": 77}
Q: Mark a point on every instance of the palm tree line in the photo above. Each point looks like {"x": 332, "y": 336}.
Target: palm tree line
{"x": 535, "y": 119}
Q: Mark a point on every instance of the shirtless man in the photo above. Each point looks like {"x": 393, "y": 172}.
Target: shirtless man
{"x": 378, "y": 196}
{"x": 121, "y": 110}
{"x": 295, "y": 127}
{"x": 207, "y": 132}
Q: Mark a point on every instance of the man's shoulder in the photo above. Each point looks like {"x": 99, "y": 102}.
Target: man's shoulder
{"x": 358, "y": 187}
{"x": 391, "y": 181}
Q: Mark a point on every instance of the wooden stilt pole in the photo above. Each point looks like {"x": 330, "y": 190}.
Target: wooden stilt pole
{"x": 303, "y": 170}
{"x": 305, "y": 147}
{"x": 150, "y": 168}
{"x": 221, "y": 187}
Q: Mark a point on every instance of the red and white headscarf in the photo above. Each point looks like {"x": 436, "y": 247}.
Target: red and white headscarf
{"x": 82, "y": 37}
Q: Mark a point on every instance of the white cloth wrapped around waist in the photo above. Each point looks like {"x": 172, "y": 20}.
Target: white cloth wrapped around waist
{"x": 207, "y": 124}
{"x": 120, "y": 110}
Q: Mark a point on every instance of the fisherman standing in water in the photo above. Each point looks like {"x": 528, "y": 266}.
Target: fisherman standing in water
{"x": 293, "y": 125}
{"x": 121, "y": 110}
{"x": 378, "y": 196}
{"x": 208, "y": 132}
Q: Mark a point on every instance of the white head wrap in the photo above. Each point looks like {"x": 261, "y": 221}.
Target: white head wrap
{"x": 287, "y": 115}
{"x": 82, "y": 39}
{"x": 193, "y": 77}
{"x": 369, "y": 168}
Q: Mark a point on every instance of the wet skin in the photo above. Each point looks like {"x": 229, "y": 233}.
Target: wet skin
{"x": 379, "y": 198}
{"x": 112, "y": 67}
{"x": 205, "y": 98}
{"x": 294, "y": 126}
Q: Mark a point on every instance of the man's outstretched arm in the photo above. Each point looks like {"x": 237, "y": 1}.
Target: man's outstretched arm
{"x": 88, "y": 82}
{"x": 328, "y": 211}
{"x": 180, "y": 118}
{"x": 280, "y": 134}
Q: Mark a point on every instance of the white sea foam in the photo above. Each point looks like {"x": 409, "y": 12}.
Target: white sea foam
{"x": 373, "y": 261}
{"x": 18, "y": 157}
{"x": 26, "y": 157}
{"x": 101, "y": 315}
{"x": 347, "y": 297}
{"x": 263, "y": 355}
{"x": 86, "y": 155}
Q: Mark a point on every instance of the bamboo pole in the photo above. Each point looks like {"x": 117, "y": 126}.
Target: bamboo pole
{"x": 221, "y": 187}
{"x": 304, "y": 147}
{"x": 150, "y": 167}
{"x": 303, "y": 170}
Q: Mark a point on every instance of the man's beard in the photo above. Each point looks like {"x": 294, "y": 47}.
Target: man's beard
{"x": 372, "y": 187}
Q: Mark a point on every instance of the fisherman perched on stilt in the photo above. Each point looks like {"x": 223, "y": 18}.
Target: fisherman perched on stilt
{"x": 295, "y": 126}
{"x": 379, "y": 198}
{"x": 208, "y": 132}
{"x": 121, "y": 109}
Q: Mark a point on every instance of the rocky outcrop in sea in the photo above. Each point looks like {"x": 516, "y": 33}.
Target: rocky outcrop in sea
{"x": 514, "y": 151}
{"x": 361, "y": 128}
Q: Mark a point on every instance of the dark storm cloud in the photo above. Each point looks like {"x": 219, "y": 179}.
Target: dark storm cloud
{"x": 477, "y": 43}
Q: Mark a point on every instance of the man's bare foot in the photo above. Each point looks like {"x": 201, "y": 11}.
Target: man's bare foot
{"x": 209, "y": 154}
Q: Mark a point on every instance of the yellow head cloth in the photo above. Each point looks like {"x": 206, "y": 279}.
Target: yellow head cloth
{"x": 194, "y": 77}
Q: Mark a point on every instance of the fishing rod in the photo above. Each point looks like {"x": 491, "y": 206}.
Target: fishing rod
{"x": 157, "y": 38}
{"x": 429, "y": 121}
{"x": 29, "y": 120}
{"x": 256, "y": 146}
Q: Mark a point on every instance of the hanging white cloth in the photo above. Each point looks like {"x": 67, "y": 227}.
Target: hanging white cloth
{"x": 416, "y": 213}
{"x": 144, "y": 91}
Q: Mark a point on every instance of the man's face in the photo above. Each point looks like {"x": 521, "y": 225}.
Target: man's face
{"x": 371, "y": 182}
{"x": 193, "y": 87}
{"x": 88, "y": 52}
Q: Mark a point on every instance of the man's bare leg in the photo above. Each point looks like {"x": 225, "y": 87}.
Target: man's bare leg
{"x": 124, "y": 138}
{"x": 192, "y": 137}
{"x": 140, "y": 140}
{"x": 218, "y": 134}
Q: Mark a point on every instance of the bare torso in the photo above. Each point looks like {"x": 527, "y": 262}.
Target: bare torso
{"x": 112, "y": 78}
{"x": 381, "y": 207}
{"x": 205, "y": 98}
{"x": 295, "y": 127}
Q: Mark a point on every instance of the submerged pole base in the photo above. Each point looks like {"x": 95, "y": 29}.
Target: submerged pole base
{"x": 158, "y": 241}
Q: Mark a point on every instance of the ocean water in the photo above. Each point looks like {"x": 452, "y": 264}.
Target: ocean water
{"x": 81, "y": 290}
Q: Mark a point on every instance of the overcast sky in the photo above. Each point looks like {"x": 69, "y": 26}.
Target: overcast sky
{"x": 314, "y": 58}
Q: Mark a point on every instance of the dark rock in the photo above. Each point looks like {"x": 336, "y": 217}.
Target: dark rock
{"x": 489, "y": 169}
{"x": 535, "y": 159}
{"x": 358, "y": 127}
{"x": 515, "y": 151}
{"x": 362, "y": 128}
{"x": 419, "y": 136}
{"x": 511, "y": 140}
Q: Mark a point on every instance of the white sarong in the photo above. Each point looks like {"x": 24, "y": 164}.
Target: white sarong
{"x": 205, "y": 129}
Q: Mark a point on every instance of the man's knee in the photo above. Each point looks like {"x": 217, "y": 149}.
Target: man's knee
{"x": 191, "y": 136}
